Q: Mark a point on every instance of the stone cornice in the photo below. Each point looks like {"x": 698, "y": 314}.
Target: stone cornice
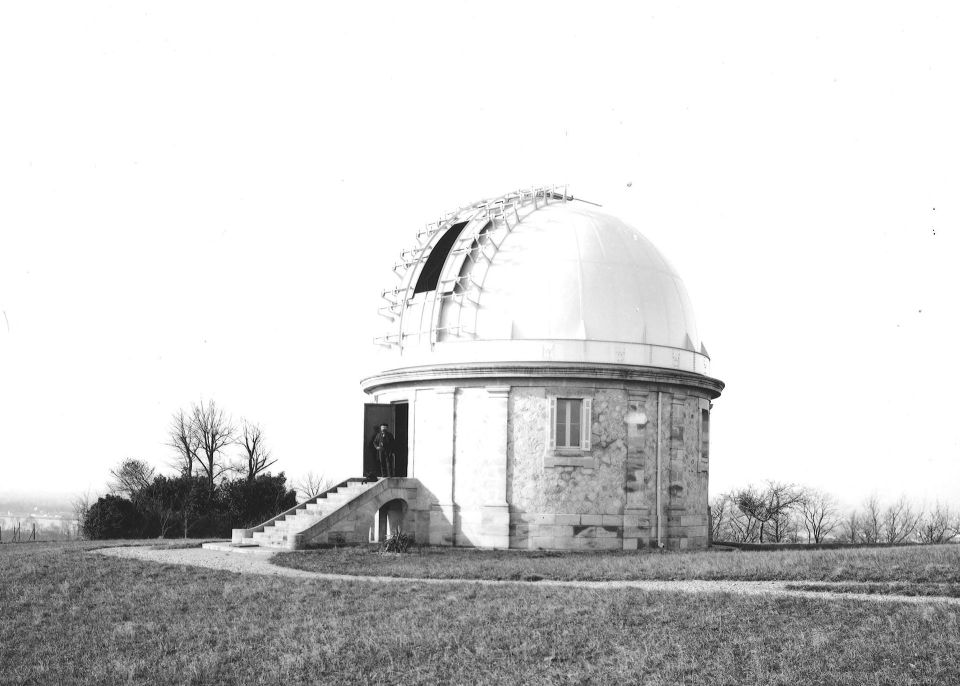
{"x": 503, "y": 372}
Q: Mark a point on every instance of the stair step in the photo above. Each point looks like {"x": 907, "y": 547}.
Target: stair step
{"x": 300, "y": 520}
{"x": 322, "y": 508}
{"x": 267, "y": 536}
{"x": 278, "y": 533}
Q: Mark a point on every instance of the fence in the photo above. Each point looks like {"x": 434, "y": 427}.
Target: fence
{"x": 30, "y": 532}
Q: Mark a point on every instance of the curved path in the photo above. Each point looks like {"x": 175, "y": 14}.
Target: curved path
{"x": 258, "y": 563}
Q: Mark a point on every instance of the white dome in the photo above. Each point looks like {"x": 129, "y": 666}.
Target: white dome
{"x": 540, "y": 278}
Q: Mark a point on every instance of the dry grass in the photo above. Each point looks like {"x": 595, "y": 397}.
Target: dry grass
{"x": 67, "y": 616}
{"x": 919, "y": 564}
{"x": 887, "y": 588}
{"x": 30, "y": 547}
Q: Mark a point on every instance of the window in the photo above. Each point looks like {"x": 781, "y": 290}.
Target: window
{"x": 705, "y": 434}
{"x": 570, "y": 424}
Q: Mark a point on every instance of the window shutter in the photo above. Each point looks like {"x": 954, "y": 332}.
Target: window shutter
{"x": 553, "y": 424}
{"x": 585, "y": 427}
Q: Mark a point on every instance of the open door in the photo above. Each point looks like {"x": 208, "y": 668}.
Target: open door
{"x": 395, "y": 416}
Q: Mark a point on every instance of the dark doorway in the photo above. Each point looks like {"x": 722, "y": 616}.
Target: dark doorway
{"x": 402, "y": 412}
{"x": 395, "y": 416}
{"x": 391, "y": 519}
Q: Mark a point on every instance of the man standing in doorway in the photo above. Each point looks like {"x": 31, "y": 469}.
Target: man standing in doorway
{"x": 383, "y": 442}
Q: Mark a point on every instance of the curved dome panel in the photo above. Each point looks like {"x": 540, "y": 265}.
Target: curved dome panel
{"x": 541, "y": 277}
{"x": 568, "y": 272}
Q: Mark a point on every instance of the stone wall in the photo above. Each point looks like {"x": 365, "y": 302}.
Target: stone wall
{"x": 686, "y": 512}
{"x": 433, "y": 457}
{"x": 480, "y": 464}
{"x": 609, "y": 500}
{"x": 581, "y": 497}
{"x": 482, "y": 454}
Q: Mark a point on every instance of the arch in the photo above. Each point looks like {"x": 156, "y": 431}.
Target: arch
{"x": 388, "y": 519}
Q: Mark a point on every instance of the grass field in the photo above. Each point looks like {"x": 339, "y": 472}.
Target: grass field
{"x": 71, "y": 616}
{"x": 918, "y": 564}
{"x": 888, "y": 588}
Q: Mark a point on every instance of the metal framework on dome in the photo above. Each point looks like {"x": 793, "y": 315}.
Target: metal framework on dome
{"x": 487, "y": 224}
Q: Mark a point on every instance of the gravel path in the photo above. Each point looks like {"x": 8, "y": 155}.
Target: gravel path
{"x": 259, "y": 563}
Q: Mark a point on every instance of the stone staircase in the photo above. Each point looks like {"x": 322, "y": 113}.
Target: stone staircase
{"x": 348, "y": 513}
{"x": 280, "y": 533}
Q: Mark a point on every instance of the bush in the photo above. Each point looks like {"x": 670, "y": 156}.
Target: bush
{"x": 397, "y": 543}
{"x": 180, "y": 506}
{"x": 248, "y": 503}
{"x": 112, "y": 517}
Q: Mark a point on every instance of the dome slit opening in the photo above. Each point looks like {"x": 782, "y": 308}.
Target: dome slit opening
{"x": 432, "y": 268}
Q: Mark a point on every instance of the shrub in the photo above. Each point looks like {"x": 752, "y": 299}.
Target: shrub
{"x": 112, "y": 517}
{"x": 397, "y": 543}
{"x": 247, "y": 503}
{"x": 171, "y": 507}
{"x": 180, "y": 506}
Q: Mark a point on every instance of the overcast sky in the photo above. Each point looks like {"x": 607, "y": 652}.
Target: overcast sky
{"x": 203, "y": 200}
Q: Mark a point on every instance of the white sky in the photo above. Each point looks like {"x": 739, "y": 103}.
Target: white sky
{"x": 203, "y": 200}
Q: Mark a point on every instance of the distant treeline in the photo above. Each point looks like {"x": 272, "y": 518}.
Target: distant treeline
{"x": 781, "y": 513}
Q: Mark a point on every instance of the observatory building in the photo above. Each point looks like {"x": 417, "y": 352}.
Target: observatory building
{"x": 542, "y": 385}
{"x": 545, "y": 383}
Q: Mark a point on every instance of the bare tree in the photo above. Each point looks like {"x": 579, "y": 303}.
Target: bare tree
{"x": 257, "y": 457}
{"x": 938, "y": 525}
{"x": 183, "y": 439}
{"x": 753, "y": 515}
{"x": 770, "y": 507}
{"x": 719, "y": 517}
{"x": 821, "y": 514}
{"x": 733, "y": 524}
{"x": 310, "y": 485}
{"x": 784, "y": 526}
{"x": 130, "y": 476}
{"x": 850, "y": 529}
{"x": 81, "y": 506}
{"x": 213, "y": 432}
{"x": 871, "y": 520}
{"x": 900, "y": 521}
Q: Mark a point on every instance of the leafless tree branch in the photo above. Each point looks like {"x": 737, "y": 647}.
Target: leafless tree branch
{"x": 900, "y": 521}
{"x": 130, "y": 476}
{"x": 213, "y": 432}
{"x": 821, "y": 514}
{"x": 256, "y": 455}
{"x": 870, "y": 520}
{"x": 311, "y": 485}
{"x": 183, "y": 439}
{"x": 938, "y": 525}
{"x": 770, "y": 508}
